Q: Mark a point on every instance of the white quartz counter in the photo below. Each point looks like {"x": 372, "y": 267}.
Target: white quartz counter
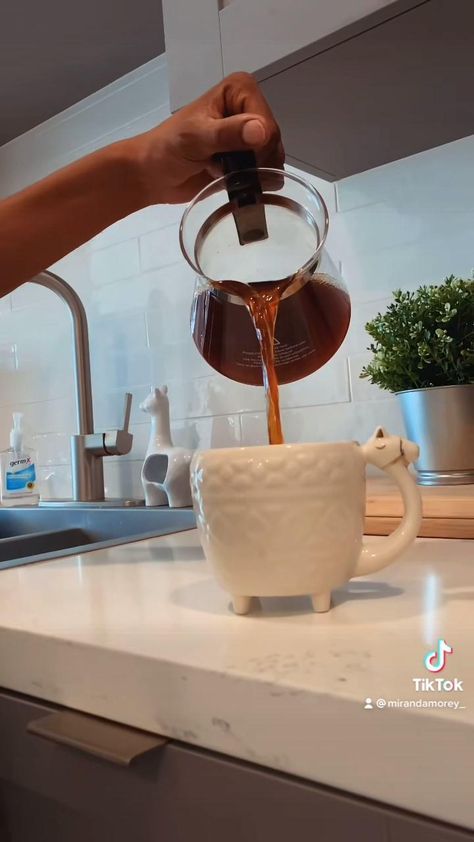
{"x": 143, "y": 635}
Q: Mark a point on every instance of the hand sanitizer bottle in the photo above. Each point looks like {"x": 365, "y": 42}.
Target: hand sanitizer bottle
{"x": 19, "y": 486}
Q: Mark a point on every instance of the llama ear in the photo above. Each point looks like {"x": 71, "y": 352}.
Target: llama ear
{"x": 164, "y": 390}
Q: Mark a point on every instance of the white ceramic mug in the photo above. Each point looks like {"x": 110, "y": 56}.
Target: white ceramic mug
{"x": 287, "y": 520}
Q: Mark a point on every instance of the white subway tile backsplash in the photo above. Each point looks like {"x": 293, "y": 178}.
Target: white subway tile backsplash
{"x": 371, "y": 414}
{"x": 138, "y": 224}
{"x": 357, "y": 338}
{"x": 177, "y": 361}
{"x": 5, "y": 304}
{"x": 6, "y": 423}
{"x": 254, "y": 429}
{"x": 55, "y": 482}
{"x": 122, "y": 479}
{"x": 192, "y": 433}
{"x": 306, "y": 424}
{"x": 225, "y": 431}
{"x": 115, "y": 262}
{"x": 328, "y": 385}
{"x": 74, "y": 269}
{"x": 381, "y": 226}
{"x": 120, "y": 298}
{"x": 52, "y": 448}
{"x": 190, "y": 398}
{"x": 43, "y": 367}
{"x": 338, "y": 422}
{"x": 320, "y": 423}
{"x": 109, "y": 405}
{"x": 55, "y": 416}
{"x": 169, "y": 310}
{"x": 211, "y": 395}
{"x": 121, "y": 366}
{"x": 361, "y": 388}
{"x": 43, "y": 418}
{"x": 160, "y": 248}
{"x": 117, "y": 332}
{"x": 225, "y": 396}
{"x": 438, "y": 179}
{"x": 375, "y": 274}
{"x": 29, "y": 295}
{"x": 205, "y": 433}
{"x": 119, "y": 353}
{"x": 8, "y": 358}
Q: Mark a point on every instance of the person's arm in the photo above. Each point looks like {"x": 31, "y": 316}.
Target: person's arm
{"x": 48, "y": 220}
{"x": 168, "y": 164}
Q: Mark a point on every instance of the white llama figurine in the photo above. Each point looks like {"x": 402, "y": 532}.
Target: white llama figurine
{"x": 165, "y": 472}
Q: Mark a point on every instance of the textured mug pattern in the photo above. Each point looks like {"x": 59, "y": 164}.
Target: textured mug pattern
{"x": 288, "y": 519}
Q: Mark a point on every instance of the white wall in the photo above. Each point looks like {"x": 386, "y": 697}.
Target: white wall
{"x": 400, "y": 225}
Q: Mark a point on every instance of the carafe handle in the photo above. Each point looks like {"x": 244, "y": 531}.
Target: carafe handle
{"x": 245, "y": 196}
{"x": 393, "y": 455}
{"x": 233, "y": 162}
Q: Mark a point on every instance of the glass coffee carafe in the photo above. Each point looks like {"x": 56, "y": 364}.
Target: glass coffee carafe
{"x": 314, "y": 308}
{"x": 266, "y": 290}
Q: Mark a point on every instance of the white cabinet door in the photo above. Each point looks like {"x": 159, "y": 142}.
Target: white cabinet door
{"x": 207, "y": 39}
{"x": 256, "y": 33}
{"x": 193, "y": 48}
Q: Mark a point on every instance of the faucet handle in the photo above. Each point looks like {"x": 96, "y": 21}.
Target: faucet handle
{"x": 126, "y": 411}
{"x": 119, "y": 442}
{"x": 113, "y": 442}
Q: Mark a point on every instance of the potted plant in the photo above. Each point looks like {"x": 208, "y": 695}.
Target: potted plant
{"x": 423, "y": 351}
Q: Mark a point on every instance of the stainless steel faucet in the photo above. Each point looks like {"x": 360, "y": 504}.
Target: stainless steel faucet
{"x": 87, "y": 448}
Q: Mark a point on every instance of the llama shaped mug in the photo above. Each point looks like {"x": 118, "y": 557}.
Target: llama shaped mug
{"x": 165, "y": 471}
{"x": 288, "y": 520}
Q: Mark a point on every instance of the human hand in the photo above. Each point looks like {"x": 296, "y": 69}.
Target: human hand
{"x": 178, "y": 158}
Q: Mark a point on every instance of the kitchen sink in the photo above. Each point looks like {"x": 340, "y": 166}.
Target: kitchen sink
{"x": 37, "y": 534}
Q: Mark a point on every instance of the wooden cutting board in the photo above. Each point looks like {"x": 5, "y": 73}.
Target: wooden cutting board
{"x": 448, "y": 512}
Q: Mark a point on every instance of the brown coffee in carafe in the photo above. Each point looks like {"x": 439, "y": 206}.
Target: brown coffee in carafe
{"x": 309, "y": 325}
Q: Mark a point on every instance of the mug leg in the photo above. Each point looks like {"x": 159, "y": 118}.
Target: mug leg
{"x": 241, "y": 604}
{"x": 321, "y": 602}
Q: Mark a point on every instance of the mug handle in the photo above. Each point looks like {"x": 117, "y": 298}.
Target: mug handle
{"x": 393, "y": 455}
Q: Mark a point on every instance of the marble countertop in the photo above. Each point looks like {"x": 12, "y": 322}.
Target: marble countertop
{"x": 142, "y": 634}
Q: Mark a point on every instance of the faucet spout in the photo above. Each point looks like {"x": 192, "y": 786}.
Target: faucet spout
{"x": 82, "y": 366}
{"x": 87, "y": 448}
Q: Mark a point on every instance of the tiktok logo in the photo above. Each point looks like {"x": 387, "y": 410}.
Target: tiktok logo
{"x": 436, "y": 661}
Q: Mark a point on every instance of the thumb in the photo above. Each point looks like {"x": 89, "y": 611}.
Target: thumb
{"x": 241, "y": 131}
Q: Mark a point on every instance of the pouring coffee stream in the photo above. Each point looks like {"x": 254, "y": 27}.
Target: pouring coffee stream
{"x": 263, "y": 310}
{"x": 245, "y": 195}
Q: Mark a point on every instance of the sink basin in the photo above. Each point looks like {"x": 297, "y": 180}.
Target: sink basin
{"x": 37, "y": 534}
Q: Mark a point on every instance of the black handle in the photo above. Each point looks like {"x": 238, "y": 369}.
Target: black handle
{"x": 232, "y": 162}
{"x": 245, "y": 195}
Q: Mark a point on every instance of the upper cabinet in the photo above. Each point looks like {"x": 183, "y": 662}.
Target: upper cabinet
{"x": 353, "y": 85}
{"x": 254, "y": 34}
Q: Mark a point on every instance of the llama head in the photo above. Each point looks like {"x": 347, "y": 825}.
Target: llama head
{"x": 155, "y": 401}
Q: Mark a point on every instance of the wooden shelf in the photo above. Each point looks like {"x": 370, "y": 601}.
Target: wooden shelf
{"x": 448, "y": 512}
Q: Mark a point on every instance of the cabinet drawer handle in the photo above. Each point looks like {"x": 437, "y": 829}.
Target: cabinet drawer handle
{"x": 119, "y": 744}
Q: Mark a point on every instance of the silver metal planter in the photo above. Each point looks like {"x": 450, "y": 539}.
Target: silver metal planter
{"x": 441, "y": 421}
